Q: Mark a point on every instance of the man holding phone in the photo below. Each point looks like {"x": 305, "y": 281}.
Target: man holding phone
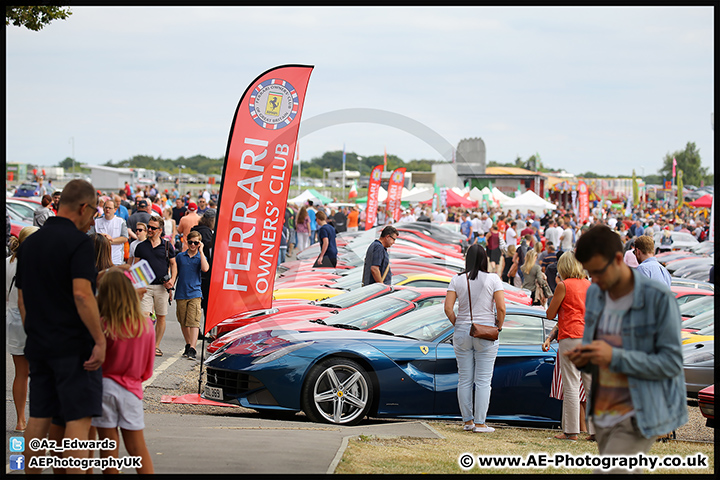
{"x": 631, "y": 346}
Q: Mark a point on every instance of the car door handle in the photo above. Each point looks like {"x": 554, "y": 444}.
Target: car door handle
{"x": 550, "y": 360}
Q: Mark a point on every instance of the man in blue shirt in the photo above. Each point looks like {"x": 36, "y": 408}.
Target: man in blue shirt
{"x": 466, "y": 228}
{"x": 649, "y": 266}
{"x": 188, "y": 292}
{"x": 328, "y": 247}
{"x": 377, "y": 260}
{"x": 313, "y": 221}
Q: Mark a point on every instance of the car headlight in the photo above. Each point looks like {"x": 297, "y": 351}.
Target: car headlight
{"x": 280, "y": 352}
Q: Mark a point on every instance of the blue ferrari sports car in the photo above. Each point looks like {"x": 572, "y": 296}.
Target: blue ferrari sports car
{"x": 404, "y": 369}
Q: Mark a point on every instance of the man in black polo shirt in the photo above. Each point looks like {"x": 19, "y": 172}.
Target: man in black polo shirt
{"x": 160, "y": 254}
{"x": 377, "y": 260}
{"x": 65, "y": 344}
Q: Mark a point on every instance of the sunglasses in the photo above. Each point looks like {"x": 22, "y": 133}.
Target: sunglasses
{"x": 193, "y": 243}
{"x": 140, "y": 230}
{"x": 151, "y": 228}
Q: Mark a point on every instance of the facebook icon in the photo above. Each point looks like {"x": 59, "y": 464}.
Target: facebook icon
{"x": 17, "y": 462}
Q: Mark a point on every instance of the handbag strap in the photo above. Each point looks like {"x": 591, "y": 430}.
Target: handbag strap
{"x": 467, "y": 277}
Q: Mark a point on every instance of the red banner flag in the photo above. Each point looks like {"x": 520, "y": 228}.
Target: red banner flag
{"x": 583, "y": 202}
{"x": 397, "y": 181}
{"x": 254, "y": 191}
{"x": 373, "y": 197}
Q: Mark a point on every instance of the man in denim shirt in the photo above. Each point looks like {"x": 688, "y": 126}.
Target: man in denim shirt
{"x": 632, "y": 347}
{"x": 649, "y": 266}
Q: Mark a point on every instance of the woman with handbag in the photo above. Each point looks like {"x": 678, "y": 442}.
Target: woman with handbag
{"x": 477, "y": 326}
{"x": 531, "y": 270}
{"x": 568, "y": 303}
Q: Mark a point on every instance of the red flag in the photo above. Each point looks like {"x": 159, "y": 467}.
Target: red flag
{"x": 254, "y": 191}
{"x": 353, "y": 191}
{"x": 674, "y": 165}
{"x": 385, "y": 159}
{"x": 372, "y": 197}
{"x": 395, "y": 186}
{"x": 583, "y": 202}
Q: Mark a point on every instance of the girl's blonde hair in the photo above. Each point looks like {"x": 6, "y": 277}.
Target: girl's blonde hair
{"x": 15, "y": 242}
{"x": 569, "y": 267}
{"x": 530, "y": 258}
{"x": 120, "y": 306}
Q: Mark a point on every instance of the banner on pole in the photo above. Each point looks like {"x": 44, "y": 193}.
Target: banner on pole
{"x": 254, "y": 191}
{"x": 583, "y": 202}
{"x": 373, "y": 197}
{"x": 394, "y": 198}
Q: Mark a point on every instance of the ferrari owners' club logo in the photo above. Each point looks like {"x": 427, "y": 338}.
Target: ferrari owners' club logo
{"x": 273, "y": 104}
{"x": 376, "y": 174}
{"x": 424, "y": 349}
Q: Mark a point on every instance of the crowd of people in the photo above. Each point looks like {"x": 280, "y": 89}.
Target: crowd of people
{"x": 619, "y": 348}
{"x": 98, "y": 318}
{"x": 60, "y": 333}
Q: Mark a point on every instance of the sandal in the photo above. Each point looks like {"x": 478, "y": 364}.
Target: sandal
{"x": 569, "y": 438}
{"x": 158, "y": 352}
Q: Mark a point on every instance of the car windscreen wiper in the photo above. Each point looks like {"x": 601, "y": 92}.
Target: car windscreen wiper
{"x": 382, "y": 332}
{"x": 345, "y": 326}
{"x": 318, "y": 320}
{"x": 328, "y": 305}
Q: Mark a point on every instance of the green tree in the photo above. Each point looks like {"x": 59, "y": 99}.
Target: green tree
{"x": 67, "y": 164}
{"x": 34, "y": 17}
{"x": 689, "y": 162}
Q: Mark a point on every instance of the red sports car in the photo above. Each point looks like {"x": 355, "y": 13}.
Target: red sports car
{"x": 706, "y": 401}
{"x": 362, "y": 316}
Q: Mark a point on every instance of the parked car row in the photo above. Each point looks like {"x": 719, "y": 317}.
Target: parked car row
{"x": 339, "y": 351}
{"x": 690, "y": 263}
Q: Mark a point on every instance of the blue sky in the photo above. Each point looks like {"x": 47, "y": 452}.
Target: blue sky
{"x": 589, "y": 89}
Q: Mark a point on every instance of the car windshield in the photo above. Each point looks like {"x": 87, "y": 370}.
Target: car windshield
{"x": 697, "y": 306}
{"x": 709, "y": 330}
{"x": 406, "y": 294}
{"x": 348, "y": 299}
{"x": 425, "y": 325}
{"x": 700, "y": 321}
{"x": 368, "y": 314}
{"x": 350, "y": 281}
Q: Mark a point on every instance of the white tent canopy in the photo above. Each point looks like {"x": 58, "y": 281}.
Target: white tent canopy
{"x": 304, "y": 197}
{"x": 417, "y": 195}
{"x": 500, "y": 197}
{"x": 528, "y": 201}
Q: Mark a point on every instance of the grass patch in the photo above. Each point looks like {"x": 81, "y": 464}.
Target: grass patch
{"x": 368, "y": 454}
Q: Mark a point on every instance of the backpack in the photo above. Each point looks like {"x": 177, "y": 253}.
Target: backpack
{"x": 290, "y": 215}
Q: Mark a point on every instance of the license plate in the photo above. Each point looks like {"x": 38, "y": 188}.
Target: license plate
{"x": 213, "y": 393}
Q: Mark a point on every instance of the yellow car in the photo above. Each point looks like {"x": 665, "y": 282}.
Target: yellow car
{"x": 352, "y": 282}
{"x": 310, "y": 294}
{"x": 694, "y": 337}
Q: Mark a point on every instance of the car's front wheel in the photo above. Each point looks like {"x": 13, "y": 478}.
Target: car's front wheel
{"x": 337, "y": 390}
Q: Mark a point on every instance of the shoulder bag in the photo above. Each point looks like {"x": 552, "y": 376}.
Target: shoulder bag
{"x": 485, "y": 332}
